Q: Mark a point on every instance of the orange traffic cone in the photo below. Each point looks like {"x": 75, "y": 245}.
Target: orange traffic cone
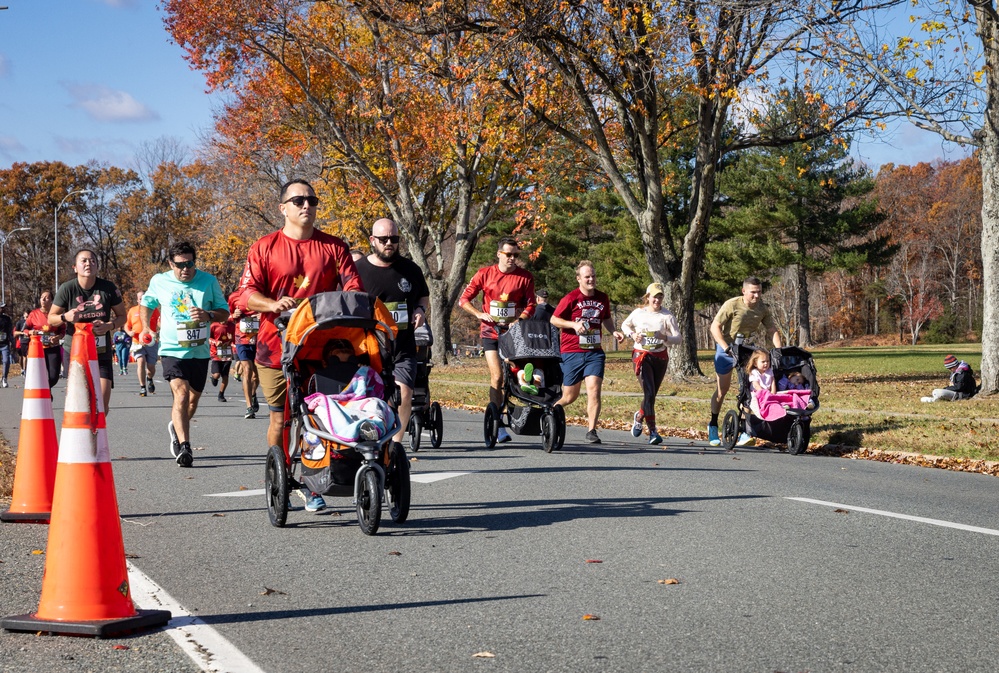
{"x": 85, "y": 586}
{"x": 37, "y": 448}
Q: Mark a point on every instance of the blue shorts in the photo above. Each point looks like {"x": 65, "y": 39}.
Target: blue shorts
{"x": 577, "y": 366}
{"x": 246, "y": 352}
{"x": 724, "y": 363}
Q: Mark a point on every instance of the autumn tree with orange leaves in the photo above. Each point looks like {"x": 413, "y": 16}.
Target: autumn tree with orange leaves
{"x": 412, "y": 126}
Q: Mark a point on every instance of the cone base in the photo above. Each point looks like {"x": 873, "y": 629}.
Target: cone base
{"x": 103, "y": 628}
{"x": 25, "y": 517}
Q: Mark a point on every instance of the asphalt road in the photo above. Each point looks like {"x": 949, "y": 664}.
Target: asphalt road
{"x": 496, "y": 558}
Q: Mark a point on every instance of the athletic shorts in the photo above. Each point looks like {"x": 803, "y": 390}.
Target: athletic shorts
{"x": 246, "y": 352}
{"x": 192, "y": 370}
{"x": 404, "y": 369}
{"x": 490, "y": 344}
{"x": 220, "y": 367}
{"x": 724, "y": 363}
{"x": 578, "y": 366}
{"x": 149, "y": 351}
{"x": 274, "y": 386}
{"x": 106, "y": 369}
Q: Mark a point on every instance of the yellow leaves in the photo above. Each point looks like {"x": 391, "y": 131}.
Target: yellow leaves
{"x": 36, "y": 552}
{"x": 591, "y": 618}
{"x": 978, "y": 76}
{"x": 911, "y": 73}
{"x": 671, "y": 580}
{"x": 484, "y": 655}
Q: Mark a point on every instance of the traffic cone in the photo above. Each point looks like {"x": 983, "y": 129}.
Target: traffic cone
{"x": 37, "y": 447}
{"x": 85, "y": 587}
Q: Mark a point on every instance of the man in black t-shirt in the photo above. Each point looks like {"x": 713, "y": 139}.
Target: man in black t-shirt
{"x": 89, "y": 299}
{"x": 542, "y": 309}
{"x": 398, "y": 282}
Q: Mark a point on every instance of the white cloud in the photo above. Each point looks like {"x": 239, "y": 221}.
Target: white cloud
{"x": 10, "y": 145}
{"x": 105, "y": 104}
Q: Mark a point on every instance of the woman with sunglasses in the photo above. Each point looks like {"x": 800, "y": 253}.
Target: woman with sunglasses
{"x": 507, "y": 296}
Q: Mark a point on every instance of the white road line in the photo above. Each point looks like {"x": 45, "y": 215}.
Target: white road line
{"x": 236, "y": 494}
{"x": 907, "y": 517}
{"x": 203, "y": 644}
{"x": 431, "y": 477}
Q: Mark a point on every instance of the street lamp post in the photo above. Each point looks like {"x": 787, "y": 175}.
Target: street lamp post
{"x": 3, "y": 248}
{"x": 56, "y": 229}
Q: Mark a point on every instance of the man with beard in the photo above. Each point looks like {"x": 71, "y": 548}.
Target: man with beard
{"x": 400, "y": 284}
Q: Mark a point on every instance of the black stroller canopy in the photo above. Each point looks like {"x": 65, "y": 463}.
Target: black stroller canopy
{"x": 530, "y": 339}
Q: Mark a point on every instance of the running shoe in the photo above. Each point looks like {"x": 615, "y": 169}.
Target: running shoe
{"x": 745, "y": 440}
{"x": 142, "y": 392}
{"x": 636, "y": 426}
{"x": 174, "y": 441}
{"x": 314, "y": 502}
{"x": 529, "y": 373}
{"x": 215, "y": 381}
{"x": 249, "y": 413}
{"x": 368, "y": 432}
{"x": 713, "y": 438}
{"x": 654, "y": 438}
{"x": 3, "y": 382}
{"x": 502, "y": 436}
{"x": 150, "y": 385}
{"x": 592, "y": 438}
{"x": 185, "y": 458}
{"x": 222, "y": 398}
{"x": 255, "y": 403}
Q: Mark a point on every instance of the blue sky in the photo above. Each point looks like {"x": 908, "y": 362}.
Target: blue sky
{"x": 95, "y": 79}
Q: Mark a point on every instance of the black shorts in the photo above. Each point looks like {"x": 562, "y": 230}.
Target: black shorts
{"x": 404, "y": 369}
{"x": 106, "y": 368}
{"x": 490, "y": 344}
{"x": 221, "y": 367}
{"x": 192, "y": 370}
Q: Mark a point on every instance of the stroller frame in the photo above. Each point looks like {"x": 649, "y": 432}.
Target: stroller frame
{"x": 424, "y": 414}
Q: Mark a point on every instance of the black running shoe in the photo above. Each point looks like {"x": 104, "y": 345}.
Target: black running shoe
{"x": 222, "y": 398}
{"x": 591, "y": 437}
{"x": 150, "y": 385}
{"x": 142, "y": 392}
{"x": 215, "y": 381}
{"x": 255, "y": 404}
{"x": 185, "y": 458}
{"x": 249, "y": 413}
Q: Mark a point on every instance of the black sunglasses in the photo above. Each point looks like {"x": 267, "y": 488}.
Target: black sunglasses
{"x": 184, "y": 265}
{"x": 386, "y": 239}
{"x": 300, "y": 201}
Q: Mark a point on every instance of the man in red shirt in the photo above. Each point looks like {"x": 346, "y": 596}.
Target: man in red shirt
{"x": 507, "y": 296}
{"x": 580, "y": 315}
{"x": 220, "y": 349}
{"x": 282, "y": 268}
{"x": 247, "y": 326}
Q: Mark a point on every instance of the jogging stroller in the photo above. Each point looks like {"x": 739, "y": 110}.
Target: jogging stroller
{"x": 345, "y": 459}
{"x": 534, "y": 342}
{"x": 794, "y": 428}
{"x": 426, "y": 415}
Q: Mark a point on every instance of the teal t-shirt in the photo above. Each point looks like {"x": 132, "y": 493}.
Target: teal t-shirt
{"x": 180, "y": 336}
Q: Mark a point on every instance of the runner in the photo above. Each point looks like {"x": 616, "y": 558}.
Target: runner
{"x": 400, "y": 284}
{"x": 580, "y": 315}
{"x": 145, "y": 354}
{"x": 122, "y": 343}
{"x": 283, "y": 267}
{"x": 507, "y": 296}
{"x": 221, "y": 347}
{"x": 247, "y": 327}
{"x": 38, "y": 320}
{"x": 6, "y": 343}
{"x": 89, "y": 299}
{"x": 21, "y": 340}
{"x": 190, "y": 300}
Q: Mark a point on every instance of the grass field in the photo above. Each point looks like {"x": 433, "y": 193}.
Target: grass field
{"x": 869, "y": 398}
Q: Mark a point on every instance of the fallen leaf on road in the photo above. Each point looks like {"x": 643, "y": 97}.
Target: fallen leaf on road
{"x": 841, "y": 511}
{"x": 484, "y": 655}
{"x": 395, "y": 553}
{"x": 593, "y": 560}
{"x": 736, "y": 458}
{"x": 591, "y": 618}
{"x": 36, "y": 552}
{"x": 244, "y": 488}
{"x": 120, "y": 647}
{"x": 218, "y": 514}
{"x": 127, "y": 555}
{"x": 671, "y": 580}
{"x": 268, "y": 592}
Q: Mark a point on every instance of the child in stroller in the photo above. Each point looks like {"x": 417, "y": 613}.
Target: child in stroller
{"x": 771, "y": 414}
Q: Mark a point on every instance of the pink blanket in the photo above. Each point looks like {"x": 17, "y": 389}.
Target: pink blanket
{"x": 771, "y": 405}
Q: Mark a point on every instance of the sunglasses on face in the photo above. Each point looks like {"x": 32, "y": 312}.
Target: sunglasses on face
{"x": 513, "y": 255}
{"x": 300, "y": 201}
{"x": 184, "y": 265}
{"x": 386, "y": 239}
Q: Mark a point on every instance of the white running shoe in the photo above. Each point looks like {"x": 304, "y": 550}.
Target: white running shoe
{"x": 636, "y": 426}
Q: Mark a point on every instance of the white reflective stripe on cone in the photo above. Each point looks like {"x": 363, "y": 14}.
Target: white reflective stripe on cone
{"x": 34, "y": 409}
{"x": 81, "y": 445}
{"x": 36, "y": 376}
{"x": 95, "y": 375}
{"x": 77, "y": 392}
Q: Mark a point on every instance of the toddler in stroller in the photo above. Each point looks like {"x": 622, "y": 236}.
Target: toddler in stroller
{"x": 763, "y": 409}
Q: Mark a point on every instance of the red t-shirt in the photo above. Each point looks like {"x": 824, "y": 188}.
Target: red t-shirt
{"x": 39, "y": 321}
{"x": 577, "y": 306}
{"x": 505, "y": 296}
{"x": 278, "y": 266}
{"x": 222, "y": 334}
{"x": 249, "y": 321}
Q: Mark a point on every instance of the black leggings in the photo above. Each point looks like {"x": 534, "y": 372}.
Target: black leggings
{"x": 651, "y": 373}
{"x": 53, "y": 363}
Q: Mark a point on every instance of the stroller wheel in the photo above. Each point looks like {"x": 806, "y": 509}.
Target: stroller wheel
{"x": 369, "y": 502}
{"x": 436, "y": 425}
{"x": 415, "y": 431}
{"x": 490, "y": 425}
{"x": 730, "y": 429}
{"x": 397, "y": 487}
{"x": 549, "y": 433}
{"x": 276, "y": 486}
{"x": 797, "y": 438}
{"x": 558, "y": 416}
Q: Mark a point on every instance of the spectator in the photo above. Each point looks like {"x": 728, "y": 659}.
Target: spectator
{"x": 962, "y": 382}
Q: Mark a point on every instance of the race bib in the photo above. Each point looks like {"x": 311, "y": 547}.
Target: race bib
{"x": 652, "y": 342}
{"x": 503, "y": 312}
{"x": 102, "y": 342}
{"x": 590, "y": 339}
{"x": 192, "y": 334}
{"x": 47, "y": 340}
{"x": 249, "y": 326}
{"x": 223, "y": 352}
{"x": 400, "y": 313}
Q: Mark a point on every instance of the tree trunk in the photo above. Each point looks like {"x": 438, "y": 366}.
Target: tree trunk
{"x": 440, "y": 320}
{"x": 804, "y": 317}
{"x": 990, "y": 254}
